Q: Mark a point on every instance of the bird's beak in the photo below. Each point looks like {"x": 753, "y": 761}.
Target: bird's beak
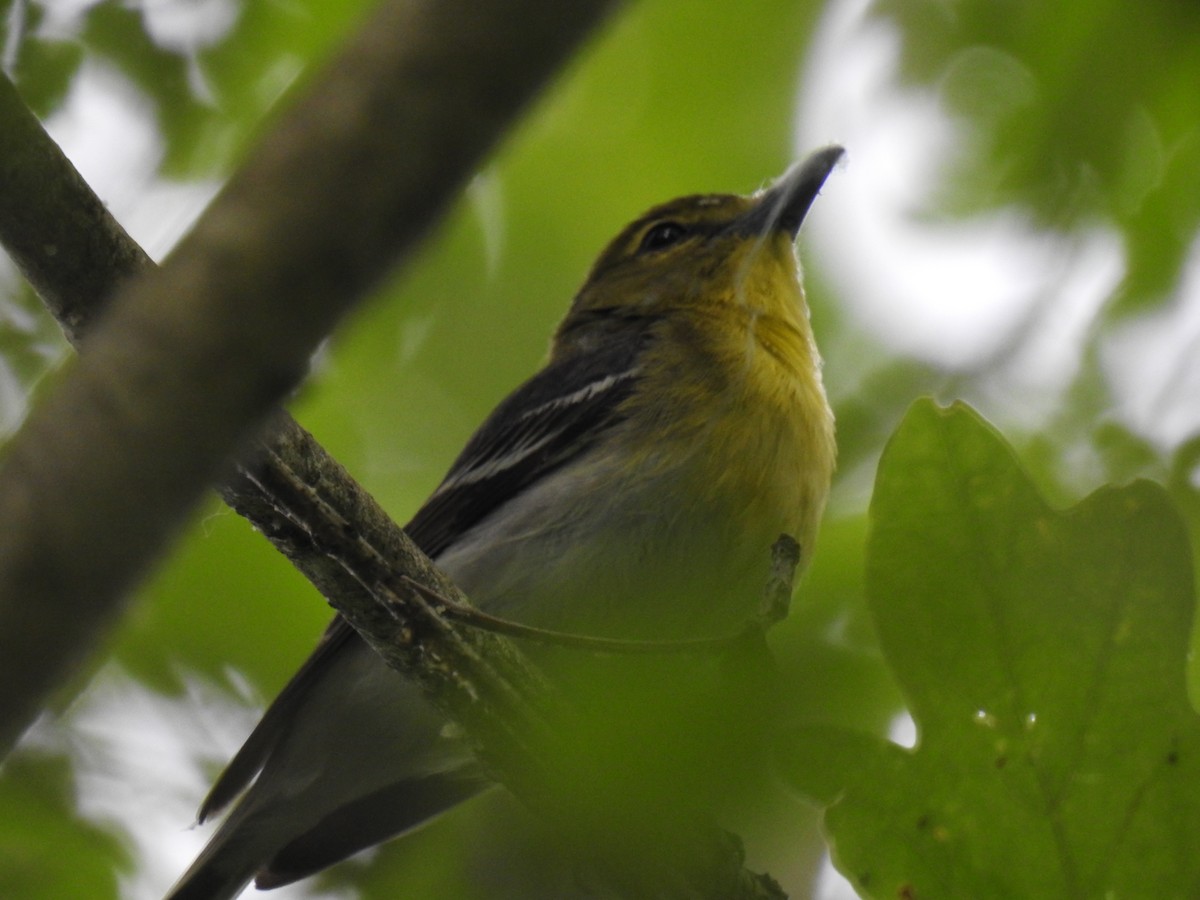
{"x": 783, "y": 206}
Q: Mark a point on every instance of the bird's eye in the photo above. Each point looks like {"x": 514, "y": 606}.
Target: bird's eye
{"x": 661, "y": 236}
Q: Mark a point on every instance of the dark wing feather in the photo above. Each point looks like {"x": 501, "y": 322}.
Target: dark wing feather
{"x": 551, "y": 419}
{"x": 247, "y": 762}
{"x": 364, "y": 822}
{"x": 547, "y": 421}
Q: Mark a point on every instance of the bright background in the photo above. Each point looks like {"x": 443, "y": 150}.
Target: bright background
{"x": 1015, "y": 225}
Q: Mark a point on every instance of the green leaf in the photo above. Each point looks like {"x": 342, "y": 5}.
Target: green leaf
{"x": 49, "y": 851}
{"x": 44, "y": 72}
{"x": 40, "y": 65}
{"x": 1042, "y": 656}
{"x": 116, "y": 32}
{"x": 211, "y": 97}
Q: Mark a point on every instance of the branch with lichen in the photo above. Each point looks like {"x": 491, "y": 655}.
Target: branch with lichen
{"x": 180, "y": 365}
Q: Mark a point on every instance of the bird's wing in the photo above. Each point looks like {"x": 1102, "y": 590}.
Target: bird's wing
{"x": 250, "y": 758}
{"x": 550, "y": 419}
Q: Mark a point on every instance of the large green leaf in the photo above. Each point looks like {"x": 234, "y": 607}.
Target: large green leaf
{"x": 1042, "y": 657}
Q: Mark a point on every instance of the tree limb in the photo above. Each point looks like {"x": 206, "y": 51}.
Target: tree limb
{"x": 172, "y": 380}
{"x": 189, "y": 358}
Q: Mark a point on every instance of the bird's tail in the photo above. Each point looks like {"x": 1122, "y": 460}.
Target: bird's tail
{"x": 223, "y": 869}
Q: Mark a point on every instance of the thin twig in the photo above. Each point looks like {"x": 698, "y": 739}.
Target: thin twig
{"x": 777, "y": 595}
{"x": 189, "y": 358}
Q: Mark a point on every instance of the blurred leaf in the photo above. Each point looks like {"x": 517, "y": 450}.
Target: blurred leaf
{"x": 44, "y": 72}
{"x": 227, "y": 600}
{"x": 867, "y": 416}
{"x": 270, "y": 46}
{"x": 49, "y": 853}
{"x": 1081, "y": 111}
{"x": 30, "y": 344}
{"x": 1042, "y": 655}
{"x": 818, "y": 761}
{"x": 40, "y": 67}
{"x": 116, "y": 31}
{"x": 211, "y": 91}
{"x": 1184, "y": 484}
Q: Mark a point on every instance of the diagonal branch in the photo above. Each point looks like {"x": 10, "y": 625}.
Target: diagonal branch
{"x": 190, "y": 356}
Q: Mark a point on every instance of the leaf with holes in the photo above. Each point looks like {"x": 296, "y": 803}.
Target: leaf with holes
{"x": 1042, "y": 657}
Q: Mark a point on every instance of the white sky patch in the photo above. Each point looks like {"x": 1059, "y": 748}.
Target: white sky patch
{"x": 188, "y": 25}
{"x": 14, "y": 27}
{"x": 142, "y": 763}
{"x": 1048, "y": 348}
{"x": 64, "y": 18}
{"x": 1153, "y": 365}
{"x": 950, "y": 293}
{"x": 902, "y": 730}
{"x": 830, "y": 883}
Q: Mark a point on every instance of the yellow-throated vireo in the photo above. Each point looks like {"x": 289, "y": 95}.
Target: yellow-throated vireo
{"x": 632, "y": 488}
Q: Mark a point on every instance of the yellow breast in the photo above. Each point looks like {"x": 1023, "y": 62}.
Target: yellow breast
{"x": 775, "y": 432}
{"x": 744, "y": 414}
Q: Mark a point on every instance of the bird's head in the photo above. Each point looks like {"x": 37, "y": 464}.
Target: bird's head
{"x": 701, "y": 250}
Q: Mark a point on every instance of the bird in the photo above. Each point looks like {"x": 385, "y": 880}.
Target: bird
{"x": 631, "y": 488}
